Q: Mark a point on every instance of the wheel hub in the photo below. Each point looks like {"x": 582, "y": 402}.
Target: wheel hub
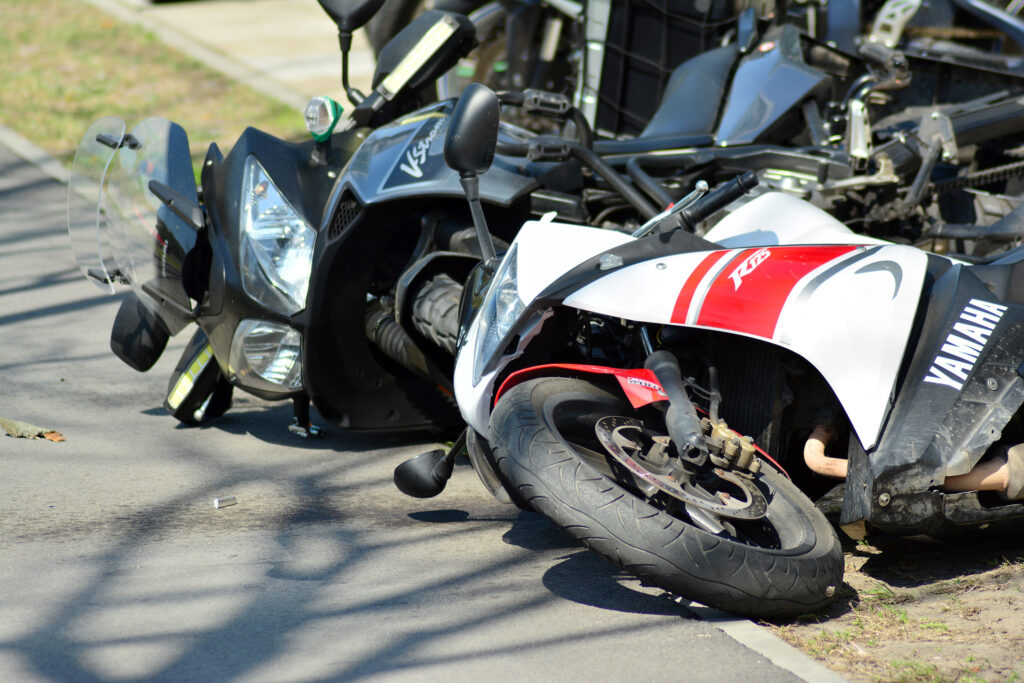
{"x": 642, "y": 453}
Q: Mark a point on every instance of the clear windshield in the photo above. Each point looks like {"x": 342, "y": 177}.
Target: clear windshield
{"x": 149, "y": 241}
{"x": 121, "y": 232}
{"x": 87, "y": 225}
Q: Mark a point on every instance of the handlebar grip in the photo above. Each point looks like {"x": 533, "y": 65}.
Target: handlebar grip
{"x": 512, "y": 149}
{"x": 717, "y": 199}
{"x": 876, "y": 52}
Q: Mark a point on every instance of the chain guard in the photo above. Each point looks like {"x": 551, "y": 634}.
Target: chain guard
{"x": 613, "y": 433}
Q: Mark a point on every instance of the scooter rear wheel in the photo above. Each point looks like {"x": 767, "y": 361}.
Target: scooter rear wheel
{"x": 786, "y": 563}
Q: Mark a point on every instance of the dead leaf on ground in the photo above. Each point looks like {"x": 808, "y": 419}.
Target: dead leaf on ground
{"x": 24, "y": 430}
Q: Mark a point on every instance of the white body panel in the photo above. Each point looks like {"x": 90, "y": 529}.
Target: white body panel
{"x": 779, "y": 218}
{"x": 852, "y": 325}
{"x": 847, "y": 310}
{"x": 546, "y": 251}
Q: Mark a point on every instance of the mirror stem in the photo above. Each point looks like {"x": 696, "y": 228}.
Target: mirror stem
{"x": 471, "y": 186}
{"x": 345, "y": 43}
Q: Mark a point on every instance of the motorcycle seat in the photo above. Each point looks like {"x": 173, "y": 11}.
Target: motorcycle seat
{"x": 689, "y": 106}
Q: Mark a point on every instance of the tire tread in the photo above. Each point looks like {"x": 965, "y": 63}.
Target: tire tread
{"x": 645, "y": 541}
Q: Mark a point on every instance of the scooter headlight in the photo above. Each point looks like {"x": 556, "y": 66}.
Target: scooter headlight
{"x": 499, "y": 312}
{"x": 277, "y": 244}
{"x": 266, "y": 356}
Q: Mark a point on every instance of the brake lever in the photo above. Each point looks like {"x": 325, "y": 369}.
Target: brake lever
{"x": 700, "y": 189}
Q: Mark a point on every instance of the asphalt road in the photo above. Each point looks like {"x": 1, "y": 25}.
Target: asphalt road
{"x": 114, "y": 564}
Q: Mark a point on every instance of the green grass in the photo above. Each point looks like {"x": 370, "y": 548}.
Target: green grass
{"x": 68, "y": 64}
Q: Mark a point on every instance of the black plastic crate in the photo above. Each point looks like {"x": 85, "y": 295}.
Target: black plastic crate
{"x": 646, "y": 41}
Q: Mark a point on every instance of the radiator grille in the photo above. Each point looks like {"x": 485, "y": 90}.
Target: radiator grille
{"x": 749, "y": 380}
{"x": 345, "y": 214}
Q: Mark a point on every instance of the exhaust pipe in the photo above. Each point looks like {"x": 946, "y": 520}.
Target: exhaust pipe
{"x": 1003, "y": 473}
{"x": 814, "y": 454}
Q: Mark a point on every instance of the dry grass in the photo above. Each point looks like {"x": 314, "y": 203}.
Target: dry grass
{"x": 67, "y": 64}
{"x": 916, "y": 612}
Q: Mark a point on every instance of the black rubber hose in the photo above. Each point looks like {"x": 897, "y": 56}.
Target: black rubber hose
{"x": 647, "y": 183}
{"x": 681, "y": 418}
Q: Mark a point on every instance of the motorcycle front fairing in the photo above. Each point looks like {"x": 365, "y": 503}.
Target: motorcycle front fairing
{"x": 404, "y": 159}
{"x": 821, "y": 301}
{"x": 960, "y": 399}
{"x": 547, "y": 251}
{"x": 246, "y": 309}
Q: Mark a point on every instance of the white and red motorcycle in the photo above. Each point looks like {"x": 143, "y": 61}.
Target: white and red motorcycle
{"x": 632, "y": 387}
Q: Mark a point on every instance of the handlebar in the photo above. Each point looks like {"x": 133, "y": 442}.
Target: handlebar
{"x": 717, "y": 199}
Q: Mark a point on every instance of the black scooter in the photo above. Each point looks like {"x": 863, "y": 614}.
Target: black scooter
{"x": 239, "y": 257}
{"x": 304, "y": 265}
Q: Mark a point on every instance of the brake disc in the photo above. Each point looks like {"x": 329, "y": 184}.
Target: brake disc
{"x": 621, "y": 435}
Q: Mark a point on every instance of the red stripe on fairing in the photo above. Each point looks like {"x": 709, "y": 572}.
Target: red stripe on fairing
{"x": 754, "y": 306}
{"x": 690, "y": 287}
{"x": 639, "y": 384}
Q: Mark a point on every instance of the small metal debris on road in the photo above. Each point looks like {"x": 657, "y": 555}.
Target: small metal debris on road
{"x": 224, "y": 502}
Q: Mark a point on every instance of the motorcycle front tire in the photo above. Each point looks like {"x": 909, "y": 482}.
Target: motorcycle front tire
{"x": 536, "y": 431}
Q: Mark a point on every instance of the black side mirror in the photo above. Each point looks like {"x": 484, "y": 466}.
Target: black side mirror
{"x": 469, "y": 149}
{"x": 473, "y": 131}
{"x": 350, "y": 14}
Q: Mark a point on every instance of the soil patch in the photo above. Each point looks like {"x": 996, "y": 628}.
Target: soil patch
{"x": 914, "y": 610}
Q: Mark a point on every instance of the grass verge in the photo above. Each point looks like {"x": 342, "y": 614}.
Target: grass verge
{"x": 922, "y": 612}
{"x": 70, "y": 64}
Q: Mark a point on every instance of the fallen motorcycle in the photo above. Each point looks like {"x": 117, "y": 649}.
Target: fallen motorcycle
{"x": 893, "y": 145}
{"x": 305, "y": 265}
{"x": 616, "y": 59}
{"x": 885, "y": 142}
{"x": 669, "y": 399}
{"x": 238, "y": 260}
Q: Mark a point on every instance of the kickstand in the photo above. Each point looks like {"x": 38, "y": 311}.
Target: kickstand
{"x": 300, "y": 422}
